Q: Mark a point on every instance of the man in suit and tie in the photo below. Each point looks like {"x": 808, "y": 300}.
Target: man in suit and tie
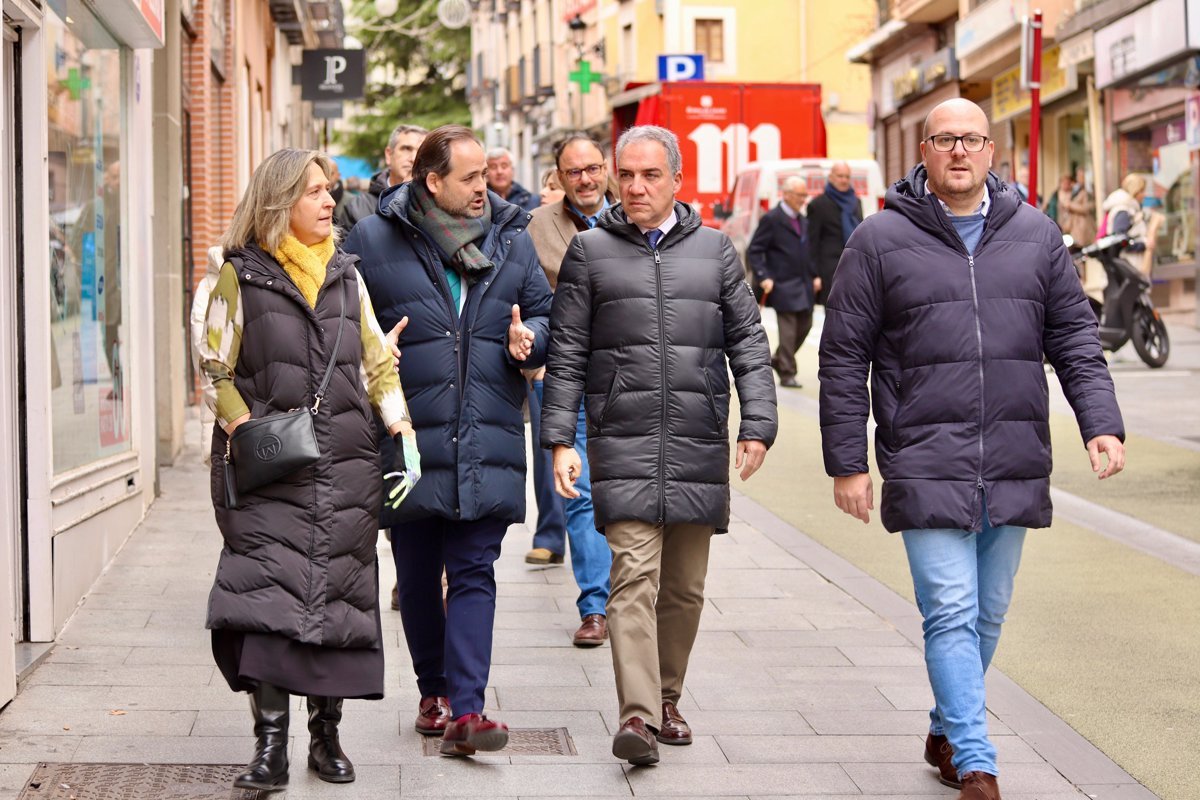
{"x": 779, "y": 257}
{"x": 583, "y": 174}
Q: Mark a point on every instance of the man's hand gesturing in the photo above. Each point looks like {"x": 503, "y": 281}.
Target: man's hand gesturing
{"x": 520, "y": 338}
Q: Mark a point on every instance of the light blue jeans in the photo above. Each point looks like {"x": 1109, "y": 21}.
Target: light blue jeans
{"x": 963, "y": 583}
{"x": 591, "y": 560}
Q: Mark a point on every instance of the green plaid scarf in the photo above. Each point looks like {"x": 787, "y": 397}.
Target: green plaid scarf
{"x": 454, "y": 235}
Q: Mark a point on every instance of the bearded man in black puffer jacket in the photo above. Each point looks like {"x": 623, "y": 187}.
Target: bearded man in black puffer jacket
{"x": 950, "y": 298}
{"x": 649, "y": 306}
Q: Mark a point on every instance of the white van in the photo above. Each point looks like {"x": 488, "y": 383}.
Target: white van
{"x": 758, "y": 189}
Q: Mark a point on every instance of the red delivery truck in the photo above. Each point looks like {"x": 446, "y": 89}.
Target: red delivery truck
{"x": 724, "y": 126}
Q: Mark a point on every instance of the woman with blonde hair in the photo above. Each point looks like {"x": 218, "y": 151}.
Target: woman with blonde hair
{"x": 1123, "y": 209}
{"x": 552, "y": 190}
{"x": 294, "y": 607}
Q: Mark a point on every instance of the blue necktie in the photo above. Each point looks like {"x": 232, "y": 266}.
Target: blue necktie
{"x": 653, "y": 238}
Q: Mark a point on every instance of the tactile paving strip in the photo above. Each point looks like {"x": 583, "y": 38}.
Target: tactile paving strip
{"x": 522, "y": 742}
{"x": 136, "y": 782}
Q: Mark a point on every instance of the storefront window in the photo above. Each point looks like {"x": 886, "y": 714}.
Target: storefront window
{"x": 89, "y": 329}
{"x": 1161, "y": 154}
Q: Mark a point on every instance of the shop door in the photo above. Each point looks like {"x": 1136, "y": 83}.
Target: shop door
{"x": 10, "y": 487}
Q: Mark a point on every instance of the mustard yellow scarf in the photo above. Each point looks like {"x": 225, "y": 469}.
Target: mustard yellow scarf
{"x": 305, "y": 265}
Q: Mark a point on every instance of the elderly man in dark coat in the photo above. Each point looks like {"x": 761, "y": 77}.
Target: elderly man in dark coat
{"x": 778, "y": 256}
{"x": 949, "y": 299}
{"x": 650, "y": 305}
{"x": 456, "y": 261}
{"x": 832, "y": 217}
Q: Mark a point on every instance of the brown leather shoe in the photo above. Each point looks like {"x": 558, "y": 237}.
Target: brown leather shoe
{"x": 938, "y": 753}
{"x": 635, "y": 743}
{"x": 592, "y": 632}
{"x": 471, "y": 733}
{"x": 675, "y": 729}
{"x": 979, "y": 786}
{"x": 433, "y": 715}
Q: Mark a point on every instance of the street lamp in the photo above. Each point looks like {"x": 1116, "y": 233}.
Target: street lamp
{"x": 578, "y": 33}
{"x": 583, "y": 74}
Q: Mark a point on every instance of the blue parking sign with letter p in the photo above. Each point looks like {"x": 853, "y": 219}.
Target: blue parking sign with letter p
{"x": 681, "y": 67}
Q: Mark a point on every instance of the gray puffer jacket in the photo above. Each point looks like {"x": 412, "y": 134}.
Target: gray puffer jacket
{"x": 643, "y": 335}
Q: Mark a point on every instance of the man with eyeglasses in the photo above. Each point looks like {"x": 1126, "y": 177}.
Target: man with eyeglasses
{"x": 651, "y": 313}
{"x": 584, "y": 177}
{"x": 948, "y": 300}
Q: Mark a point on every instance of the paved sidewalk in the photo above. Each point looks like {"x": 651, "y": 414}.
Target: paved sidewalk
{"x": 805, "y": 682}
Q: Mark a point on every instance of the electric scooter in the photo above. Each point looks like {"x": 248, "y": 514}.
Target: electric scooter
{"x": 1127, "y": 312}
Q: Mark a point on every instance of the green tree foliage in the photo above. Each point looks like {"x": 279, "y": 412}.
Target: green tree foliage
{"x": 416, "y": 74}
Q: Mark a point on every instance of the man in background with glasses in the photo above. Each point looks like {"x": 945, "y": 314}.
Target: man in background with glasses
{"x": 948, "y": 300}
{"x": 584, "y": 177}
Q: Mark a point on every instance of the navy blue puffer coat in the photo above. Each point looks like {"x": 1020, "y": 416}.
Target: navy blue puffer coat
{"x": 954, "y": 346}
{"x": 464, "y": 391}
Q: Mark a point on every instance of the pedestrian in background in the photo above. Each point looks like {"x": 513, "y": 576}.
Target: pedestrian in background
{"x": 552, "y": 190}
{"x": 294, "y": 608}
{"x": 649, "y": 306}
{"x": 500, "y": 180}
{"x": 1053, "y": 206}
{"x": 1077, "y": 212}
{"x": 584, "y": 173}
{"x": 549, "y": 536}
{"x": 832, "y": 217}
{"x": 398, "y": 158}
{"x": 779, "y": 256}
{"x": 947, "y": 301}
{"x": 457, "y": 261}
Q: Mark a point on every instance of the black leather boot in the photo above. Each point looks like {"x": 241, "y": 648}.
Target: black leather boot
{"x": 268, "y": 770}
{"x": 324, "y": 750}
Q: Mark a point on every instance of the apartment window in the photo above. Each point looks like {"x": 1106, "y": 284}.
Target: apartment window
{"x": 710, "y": 40}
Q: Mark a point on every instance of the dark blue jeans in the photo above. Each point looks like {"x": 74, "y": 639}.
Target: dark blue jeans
{"x": 451, "y": 649}
{"x": 552, "y": 521}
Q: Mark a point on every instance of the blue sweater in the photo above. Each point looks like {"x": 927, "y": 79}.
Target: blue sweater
{"x": 969, "y": 228}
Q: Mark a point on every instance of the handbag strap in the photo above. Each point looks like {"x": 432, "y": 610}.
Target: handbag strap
{"x": 332, "y": 356}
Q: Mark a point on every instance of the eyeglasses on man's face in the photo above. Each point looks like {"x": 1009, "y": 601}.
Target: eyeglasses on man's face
{"x": 945, "y": 142}
{"x": 592, "y": 170}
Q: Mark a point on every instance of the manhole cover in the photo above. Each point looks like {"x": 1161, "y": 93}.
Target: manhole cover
{"x": 136, "y": 782}
{"x": 522, "y": 741}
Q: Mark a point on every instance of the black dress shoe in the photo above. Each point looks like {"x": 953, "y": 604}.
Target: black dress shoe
{"x": 635, "y": 743}
{"x": 790, "y": 383}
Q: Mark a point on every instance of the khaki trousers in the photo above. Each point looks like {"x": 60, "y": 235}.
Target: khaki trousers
{"x": 654, "y": 611}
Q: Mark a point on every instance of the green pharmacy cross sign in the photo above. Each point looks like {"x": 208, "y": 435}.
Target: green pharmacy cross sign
{"x": 76, "y": 83}
{"x": 585, "y": 77}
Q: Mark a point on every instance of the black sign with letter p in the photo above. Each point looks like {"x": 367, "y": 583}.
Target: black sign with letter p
{"x": 333, "y": 74}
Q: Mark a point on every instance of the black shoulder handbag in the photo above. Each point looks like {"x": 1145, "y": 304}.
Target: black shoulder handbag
{"x": 261, "y": 451}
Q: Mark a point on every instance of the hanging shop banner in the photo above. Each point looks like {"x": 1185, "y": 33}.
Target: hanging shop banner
{"x": 1010, "y": 100}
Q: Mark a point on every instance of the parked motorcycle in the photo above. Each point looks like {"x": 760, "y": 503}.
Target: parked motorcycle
{"x": 1127, "y": 311}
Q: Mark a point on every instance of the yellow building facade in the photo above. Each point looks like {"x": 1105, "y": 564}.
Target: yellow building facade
{"x": 524, "y": 53}
{"x": 753, "y": 41}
